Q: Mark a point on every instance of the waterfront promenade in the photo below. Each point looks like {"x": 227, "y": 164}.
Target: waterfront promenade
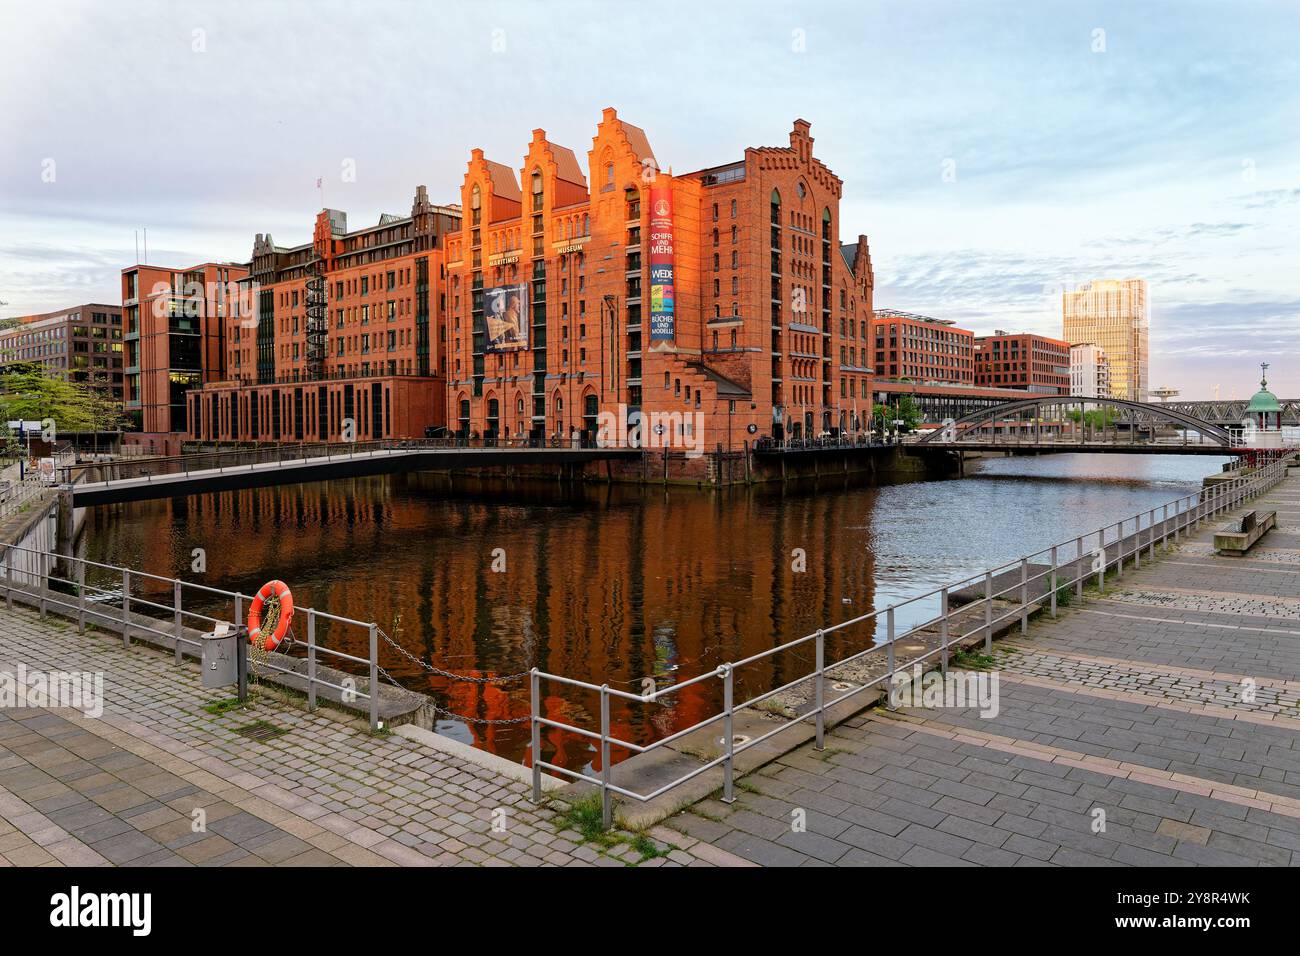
{"x": 1158, "y": 724}
{"x": 122, "y": 788}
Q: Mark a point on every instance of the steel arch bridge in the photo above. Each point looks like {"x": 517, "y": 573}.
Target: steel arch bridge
{"x": 1135, "y": 414}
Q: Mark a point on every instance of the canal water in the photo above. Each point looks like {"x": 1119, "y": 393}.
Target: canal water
{"x": 617, "y": 584}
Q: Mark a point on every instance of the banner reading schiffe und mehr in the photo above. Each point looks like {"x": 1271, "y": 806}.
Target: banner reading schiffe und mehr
{"x": 663, "y": 327}
{"x": 505, "y": 313}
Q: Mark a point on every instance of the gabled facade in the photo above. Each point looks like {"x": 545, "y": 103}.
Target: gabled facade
{"x": 566, "y": 291}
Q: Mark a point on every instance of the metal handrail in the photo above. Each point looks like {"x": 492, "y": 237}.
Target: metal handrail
{"x": 87, "y": 601}
{"x": 280, "y": 454}
{"x": 1109, "y": 547}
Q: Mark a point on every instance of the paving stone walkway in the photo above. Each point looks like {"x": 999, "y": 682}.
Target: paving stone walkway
{"x": 1124, "y": 736}
{"x": 127, "y": 786}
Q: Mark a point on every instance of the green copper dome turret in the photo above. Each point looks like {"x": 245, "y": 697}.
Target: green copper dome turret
{"x": 1263, "y": 401}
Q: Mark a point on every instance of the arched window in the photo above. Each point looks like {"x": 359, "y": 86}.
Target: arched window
{"x": 537, "y": 190}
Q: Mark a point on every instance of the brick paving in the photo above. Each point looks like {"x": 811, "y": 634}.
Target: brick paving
{"x": 124, "y": 787}
{"x": 1125, "y": 735}
{"x": 1154, "y": 725}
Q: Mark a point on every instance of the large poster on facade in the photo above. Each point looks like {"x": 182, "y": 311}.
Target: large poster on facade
{"x": 663, "y": 327}
{"x": 505, "y": 311}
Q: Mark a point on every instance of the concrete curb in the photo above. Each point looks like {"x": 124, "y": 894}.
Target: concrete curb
{"x": 498, "y": 765}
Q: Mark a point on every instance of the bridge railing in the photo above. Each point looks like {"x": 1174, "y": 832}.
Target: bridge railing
{"x": 935, "y": 622}
{"x": 137, "y": 603}
{"x": 15, "y": 495}
{"x": 93, "y": 474}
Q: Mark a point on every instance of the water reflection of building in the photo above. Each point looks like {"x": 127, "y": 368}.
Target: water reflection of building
{"x": 618, "y": 586}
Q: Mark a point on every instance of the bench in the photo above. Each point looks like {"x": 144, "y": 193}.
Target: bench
{"x": 1237, "y": 537}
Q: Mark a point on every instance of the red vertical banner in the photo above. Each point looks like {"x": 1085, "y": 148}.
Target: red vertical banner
{"x": 663, "y": 326}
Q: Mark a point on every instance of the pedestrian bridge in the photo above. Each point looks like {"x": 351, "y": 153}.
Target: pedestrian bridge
{"x": 1077, "y": 423}
{"x": 122, "y": 480}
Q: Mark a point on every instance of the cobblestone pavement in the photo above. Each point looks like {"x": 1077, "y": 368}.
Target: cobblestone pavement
{"x": 1123, "y": 737}
{"x": 123, "y": 788}
{"x": 1239, "y": 694}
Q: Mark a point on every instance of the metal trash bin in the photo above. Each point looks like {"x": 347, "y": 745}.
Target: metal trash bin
{"x": 220, "y": 657}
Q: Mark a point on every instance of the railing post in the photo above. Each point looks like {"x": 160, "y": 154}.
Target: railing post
{"x": 1151, "y": 551}
{"x": 81, "y": 596}
{"x": 374, "y": 676}
{"x": 311, "y": 659}
{"x": 176, "y": 617}
{"x": 1024, "y": 595}
{"x": 9, "y": 578}
{"x": 1101, "y": 563}
{"x": 42, "y": 581}
{"x": 890, "y": 662}
{"x": 534, "y": 710}
{"x": 1053, "y": 581}
{"x": 1080, "y": 571}
{"x": 1119, "y": 549}
{"x": 606, "y": 798}
{"x": 1137, "y": 541}
{"x": 728, "y": 734}
{"x": 988, "y": 612}
{"x": 126, "y": 607}
{"x": 943, "y": 631}
{"x": 821, "y": 689}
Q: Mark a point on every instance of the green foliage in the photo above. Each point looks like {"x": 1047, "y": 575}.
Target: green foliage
{"x": 1096, "y": 417}
{"x": 905, "y": 410}
{"x": 585, "y": 815}
{"x": 33, "y": 393}
{"x": 972, "y": 661}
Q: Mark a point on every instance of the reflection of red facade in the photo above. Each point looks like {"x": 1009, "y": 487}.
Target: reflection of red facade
{"x": 619, "y": 589}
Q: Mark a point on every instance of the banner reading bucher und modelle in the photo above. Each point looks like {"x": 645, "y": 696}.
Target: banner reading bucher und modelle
{"x": 663, "y": 326}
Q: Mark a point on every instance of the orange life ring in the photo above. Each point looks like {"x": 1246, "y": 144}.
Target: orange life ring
{"x": 280, "y": 591}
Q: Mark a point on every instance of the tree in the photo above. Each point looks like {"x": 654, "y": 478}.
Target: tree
{"x": 1096, "y": 418}
{"x": 905, "y": 410}
{"x": 29, "y": 392}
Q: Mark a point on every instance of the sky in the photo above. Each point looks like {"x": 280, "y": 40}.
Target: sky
{"x": 994, "y": 153}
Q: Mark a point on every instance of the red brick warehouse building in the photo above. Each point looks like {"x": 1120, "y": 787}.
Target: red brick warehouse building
{"x": 346, "y": 338}
{"x": 541, "y": 313}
